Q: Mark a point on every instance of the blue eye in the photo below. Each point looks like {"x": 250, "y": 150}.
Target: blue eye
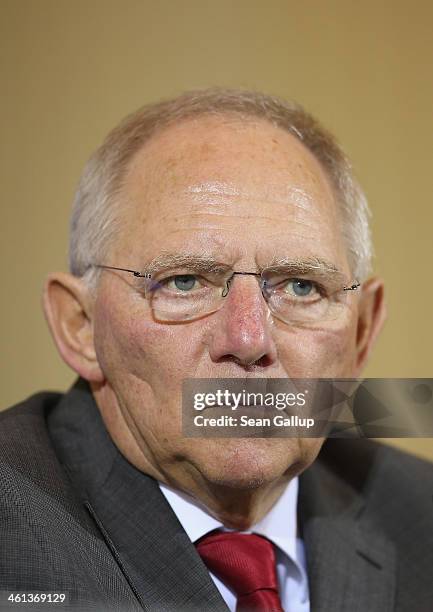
{"x": 184, "y": 282}
{"x": 300, "y": 287}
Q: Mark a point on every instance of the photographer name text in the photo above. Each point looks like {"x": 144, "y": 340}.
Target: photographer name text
{"x": 247, "y": 421}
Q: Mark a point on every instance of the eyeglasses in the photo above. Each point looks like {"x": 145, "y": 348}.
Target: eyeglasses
{"x": 178, "y": 297}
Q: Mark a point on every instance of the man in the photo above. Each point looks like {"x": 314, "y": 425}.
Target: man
{"x": 182, "y": 216}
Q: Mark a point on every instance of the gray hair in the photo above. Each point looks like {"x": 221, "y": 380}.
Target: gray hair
{"x": 95, "y": 220}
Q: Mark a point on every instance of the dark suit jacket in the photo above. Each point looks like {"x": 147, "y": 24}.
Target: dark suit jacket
{"x": 77, "y": 518}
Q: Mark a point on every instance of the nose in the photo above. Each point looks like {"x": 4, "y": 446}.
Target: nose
{"x": 242, "y": 328}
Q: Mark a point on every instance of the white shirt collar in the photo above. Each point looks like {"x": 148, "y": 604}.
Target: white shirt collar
{"x": 279, "y": 525}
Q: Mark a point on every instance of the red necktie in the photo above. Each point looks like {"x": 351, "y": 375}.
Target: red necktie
{"x": 246, "y": 564}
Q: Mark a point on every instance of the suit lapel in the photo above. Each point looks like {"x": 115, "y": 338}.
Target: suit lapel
{"x": 142, "y": 532}
{"x": 351, "y": 565}
{"x": 156, "y": 555}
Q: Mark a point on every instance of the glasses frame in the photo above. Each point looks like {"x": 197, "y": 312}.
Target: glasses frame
{"x": 136, "y": 273}
{"x": 267, "y": 294}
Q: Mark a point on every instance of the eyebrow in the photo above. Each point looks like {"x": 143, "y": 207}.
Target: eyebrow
{"x": 169, "y": 261}
{"x": 316, "y": 266}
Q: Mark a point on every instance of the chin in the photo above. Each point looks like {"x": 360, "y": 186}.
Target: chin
{"x": 248, "y": 463}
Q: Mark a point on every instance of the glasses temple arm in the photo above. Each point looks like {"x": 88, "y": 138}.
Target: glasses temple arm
{"x": 134, "y": 272}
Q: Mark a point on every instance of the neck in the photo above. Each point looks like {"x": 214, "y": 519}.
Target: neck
{"x": 240, "y": 509}
{"x": 235, "y": 507}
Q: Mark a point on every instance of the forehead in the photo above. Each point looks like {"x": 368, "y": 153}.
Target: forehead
{"x": 202, "y": 180}
{"x": 251, "y": 153}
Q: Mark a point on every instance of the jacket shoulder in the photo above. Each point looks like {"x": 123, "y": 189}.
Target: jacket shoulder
{"x": 31, "y": 475}
{"x": 396, "y": 486}
{"x": 368, "y": 465}
{"x": 24, "y": 439}
{"x": 34, "y": 407}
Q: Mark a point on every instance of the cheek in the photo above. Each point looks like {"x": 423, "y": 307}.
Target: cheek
{"x": 136, "y": 347}
{"x": 319, "y": 353}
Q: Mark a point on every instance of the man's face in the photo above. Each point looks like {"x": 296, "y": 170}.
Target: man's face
{"x": 243, "y": 194}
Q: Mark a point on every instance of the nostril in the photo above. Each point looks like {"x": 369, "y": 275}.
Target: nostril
{"x": 262, "y": 362}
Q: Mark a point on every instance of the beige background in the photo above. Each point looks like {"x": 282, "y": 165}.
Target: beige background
{"x": 71, "y": 70}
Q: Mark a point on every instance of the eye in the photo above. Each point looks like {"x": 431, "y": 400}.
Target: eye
{"x": 182, "y": 282}
{"x": 300, "y": 287}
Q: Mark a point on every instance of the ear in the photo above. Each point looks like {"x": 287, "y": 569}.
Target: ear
{"x": 67, "y": 304}
{"x": 371, "y": 317}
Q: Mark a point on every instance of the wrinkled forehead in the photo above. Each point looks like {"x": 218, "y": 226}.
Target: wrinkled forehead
{"x": 213, "y": 173}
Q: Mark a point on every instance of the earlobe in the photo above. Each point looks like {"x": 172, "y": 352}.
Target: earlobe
{"x": 68, "y": 310}
{"x": 371, "y": 318}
